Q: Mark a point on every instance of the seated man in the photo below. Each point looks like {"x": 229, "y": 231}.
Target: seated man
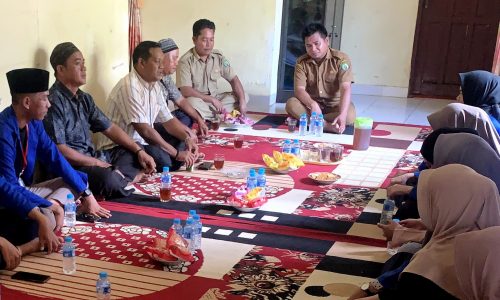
{"x": 29, "y": 210}
{"x": 137, "y": 102}
{"x": 177, "y": 104}
{"x": 322, "y": 82}
{"x": 198, "y": 72}
{"x": 71, "y": 117}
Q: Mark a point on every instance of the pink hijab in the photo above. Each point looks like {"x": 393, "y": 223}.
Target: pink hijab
{"x": 458, "y": 115}
{"x": 478, "y": 269}
{"x": 453, "y": 199}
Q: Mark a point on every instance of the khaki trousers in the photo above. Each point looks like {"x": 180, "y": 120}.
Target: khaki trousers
{"x": 295, "y": 108}
{"x": 206, "y": 110}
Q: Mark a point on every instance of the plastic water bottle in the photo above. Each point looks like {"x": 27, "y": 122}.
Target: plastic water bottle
{"x": 191, "y": 214}
{"x": 103, "y": 287}
{"x": 166, "y": 185}
{"x": 188, "y": 234}
{"x": 198, "y": 230}
{"x": 303, "y": 124}
{"x": 287, "y": 147}
{"x": 296, "y": 148}
{"x": 312, "y": 123}
{"x": 319, "y": 125}
{"x": 177, "y": 226}
{"x": 69, "y": 259}
{"x": 251, "y": 180}
{"x": 387, "y": 211}
{"x": 261, "y": 181}
{"x": 70, "y": 211}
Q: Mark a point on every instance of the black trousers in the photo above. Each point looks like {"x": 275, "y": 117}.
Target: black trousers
{"x": 106, "y": 182}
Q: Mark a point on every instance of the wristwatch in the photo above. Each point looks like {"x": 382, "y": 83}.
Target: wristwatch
{"x": 87, "y": 192}
{"x": 365, "y": 287}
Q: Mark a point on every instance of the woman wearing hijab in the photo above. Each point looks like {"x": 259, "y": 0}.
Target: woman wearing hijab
{"x": 482, "y": 89}
{"x": 469, "y": 150}
{"x": 453, "y": 199}
{"x": 457, "y": 115}
{"x": 478, "y": 272}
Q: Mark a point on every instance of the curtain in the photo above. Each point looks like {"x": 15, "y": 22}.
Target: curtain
{"x": 134, "y": 30}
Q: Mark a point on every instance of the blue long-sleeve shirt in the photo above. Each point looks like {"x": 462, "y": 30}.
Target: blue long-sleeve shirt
{"x": 13, "y": 196}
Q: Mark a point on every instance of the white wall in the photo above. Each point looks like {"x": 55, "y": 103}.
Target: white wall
{"x": 32, "y": 28}
{"x": 378, "y": 36}
{"x": 247, "y": 32}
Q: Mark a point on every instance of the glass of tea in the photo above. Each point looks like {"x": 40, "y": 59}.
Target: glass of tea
{"x": 219, "y": 161}
{"x": 292, "y": 123}
{"x": 238, "y": 141}
{"x": 336, "y": 154}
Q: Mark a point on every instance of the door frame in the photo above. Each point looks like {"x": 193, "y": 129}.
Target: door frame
{"x": 334, "y": 28}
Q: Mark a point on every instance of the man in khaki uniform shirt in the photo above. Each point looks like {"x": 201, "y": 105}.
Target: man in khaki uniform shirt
{"x": 198, "y": 72}
{"x": 322, "y": 82}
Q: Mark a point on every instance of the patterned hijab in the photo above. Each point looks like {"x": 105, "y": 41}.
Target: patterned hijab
{"x": 470, "y": 150}
{"x": 453, "y": 199}
{"x": 482, "y": 89}
{"x": 461, "y": 115}
{"x": 478, "y": 271}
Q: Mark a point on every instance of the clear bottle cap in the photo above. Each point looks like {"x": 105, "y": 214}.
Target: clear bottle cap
{"x": 177, "y": 221}
{"x": 192, "y": 212}
{"x": 103, "y": 275}
{"x": 262, "y": 171}
{"x": 68, "y": 239}
{"x": 166, "y": 169}
{"x": 70, "y": 197}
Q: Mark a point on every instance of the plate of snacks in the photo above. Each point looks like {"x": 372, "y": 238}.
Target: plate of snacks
{"x": 324, "y": 177}
{"x": 282, "y": 163}
{"x": 172, "y": 250}
{"x": 248, "y": 201}
{"x": 235, "y": 119}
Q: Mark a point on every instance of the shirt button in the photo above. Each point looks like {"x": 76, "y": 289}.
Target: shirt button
{"x": 321, "y": 92}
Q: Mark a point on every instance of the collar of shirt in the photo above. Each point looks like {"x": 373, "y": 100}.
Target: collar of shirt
{"x": 328, "y": 56}
{"x": 148, "y": 85}
{"x": 66, "y": 92}
{"x": 198, "y": 57}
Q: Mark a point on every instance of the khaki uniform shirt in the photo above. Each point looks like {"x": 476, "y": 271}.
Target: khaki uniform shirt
{"x": 203, "y": 75}
{"x": 322, "y": 81}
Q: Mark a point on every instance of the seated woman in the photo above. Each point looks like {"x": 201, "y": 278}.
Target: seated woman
{"x": 478, "y": 272}
{"x": 458, "y": 115}
{"x": 482, "y": 89}
{"x": 447, "y": 207}
{"x": 408, "y": 204}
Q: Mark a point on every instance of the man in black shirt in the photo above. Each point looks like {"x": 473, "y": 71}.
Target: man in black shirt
{"x": 74, "y": 114}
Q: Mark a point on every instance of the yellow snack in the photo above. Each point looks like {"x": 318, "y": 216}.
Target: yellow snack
{"x": 268, "y": 160}
{"x": 254, "y": 193}
{"x": 235, "y": 113}
{"x": 283, "y": 166}
{"x": 277, "y": 156}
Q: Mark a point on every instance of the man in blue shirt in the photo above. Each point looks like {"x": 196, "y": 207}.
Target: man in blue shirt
{"x": 23, "y": 142}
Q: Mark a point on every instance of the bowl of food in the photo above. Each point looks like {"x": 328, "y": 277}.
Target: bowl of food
{"x": 172, "y": 250}
{"x": 282, "y": 163}
{"x": 324, "y": 177}
{"x": 247, "y": 201}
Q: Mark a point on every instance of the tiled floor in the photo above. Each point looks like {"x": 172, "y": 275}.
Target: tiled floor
{"x": 383, "y": 109}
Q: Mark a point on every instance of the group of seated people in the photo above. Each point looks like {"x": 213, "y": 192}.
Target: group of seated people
{"x": 148, "y": 124}
{"x": 450, "y": 208}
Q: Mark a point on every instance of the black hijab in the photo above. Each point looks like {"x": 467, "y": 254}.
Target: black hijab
{"x": 482, "y": 89}
{"x": 428, "y": 144}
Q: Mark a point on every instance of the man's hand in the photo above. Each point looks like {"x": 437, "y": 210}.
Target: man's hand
{"x": 191, "y": 145}
{"x": 413, "y": 223}
{"x": 188, "y": 157}
{"x": 315, "y": 108}
{"x": 90, "y": 206}
{"x": 147, "y": 162}
{"x": 339, "y": 123}
{"x": 398, "y": 190}
{"x": 401, "y": 179}
{"x": 58, "y": 212}
{"x": 388, "y": 229}
{"x": 215, "y": 102}
{"x": 102, "y": 164}
{"x": 46, "y": 236}
{"x": 203, "y": 127}
{"x": 243, "y": 106}
{"x": 10, "y": 254}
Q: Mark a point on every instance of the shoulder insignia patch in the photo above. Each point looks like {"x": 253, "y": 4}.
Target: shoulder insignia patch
{"x": 344, "y": 66}
{"x": 225, "y": 63}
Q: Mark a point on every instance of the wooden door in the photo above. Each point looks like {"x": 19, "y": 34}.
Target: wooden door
{"x": 452, "y": 36}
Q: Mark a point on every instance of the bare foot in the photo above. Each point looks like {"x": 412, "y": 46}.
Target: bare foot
{"x": 328, "y": 127}
{"x": 140, "y": 177}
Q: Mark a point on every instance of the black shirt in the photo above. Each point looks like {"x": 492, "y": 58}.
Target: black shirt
{"x": 71, "y": 118}
{"x": 412, "y": 286}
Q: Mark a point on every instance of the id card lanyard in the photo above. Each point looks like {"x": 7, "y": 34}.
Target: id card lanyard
{"x": 25, "y": 155}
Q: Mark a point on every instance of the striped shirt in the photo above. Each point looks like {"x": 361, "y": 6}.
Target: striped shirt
{"x": 133, "y": 100}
